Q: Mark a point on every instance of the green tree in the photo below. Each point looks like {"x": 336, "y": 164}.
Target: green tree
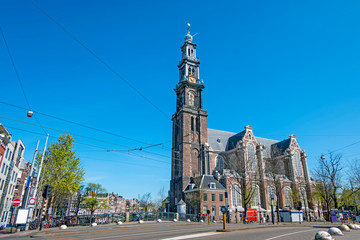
{"x": 92, "y": 199}
{"x": 62, "y": 171}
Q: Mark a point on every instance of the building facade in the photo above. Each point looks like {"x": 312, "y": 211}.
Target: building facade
{"x": 237, "y": 170}
{"x": 9, "y": 169}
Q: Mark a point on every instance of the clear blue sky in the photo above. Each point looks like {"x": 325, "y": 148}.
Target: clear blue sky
{"x": 283, "y": 67}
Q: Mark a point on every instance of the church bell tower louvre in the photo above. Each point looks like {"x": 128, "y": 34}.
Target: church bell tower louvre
{"x": 189, "y": 124}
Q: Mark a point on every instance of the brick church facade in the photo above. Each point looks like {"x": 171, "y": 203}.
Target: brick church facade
{"x": 213, "y": 168}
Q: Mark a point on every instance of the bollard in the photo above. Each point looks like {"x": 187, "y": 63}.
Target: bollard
{"x": 224, "y": 221}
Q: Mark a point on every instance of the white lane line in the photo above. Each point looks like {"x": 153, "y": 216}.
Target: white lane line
{"x": 138, "y": 234}
{"x": 289, "y": 234}
{"x": 192, "y": 236}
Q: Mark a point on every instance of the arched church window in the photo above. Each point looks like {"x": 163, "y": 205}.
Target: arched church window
{"x": 298, "y": 168}
{"x": 189, "y": 51}
{"x": 251, "y": 157}
{"x": 192, "y": 123}
{"x": 198, "y": 124}
{"x": 236, "y": 195}
{"x": 303, "y": 197}
{"x": 288, "y": 198}
{"x": 256, "y": 196}
{"x": 219, "y": 162}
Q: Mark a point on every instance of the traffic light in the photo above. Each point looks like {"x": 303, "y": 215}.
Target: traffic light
{"x": 47, "y": 191}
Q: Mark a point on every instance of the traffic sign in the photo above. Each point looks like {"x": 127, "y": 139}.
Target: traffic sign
{"x": 223, "y": 209}
{"x": 32, "y": 201}
{"x": 16, "y": 202}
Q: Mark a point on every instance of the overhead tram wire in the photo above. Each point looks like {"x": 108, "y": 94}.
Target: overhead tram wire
{"x": 18, "y": 76}
{"x": 91, "y": 138}
{"x": 95, "y": 146}
{"x": 100, "y": 60}
{"x": 75, "y": 123}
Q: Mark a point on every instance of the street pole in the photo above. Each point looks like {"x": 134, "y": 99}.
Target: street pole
{"x": 271, "y": 201}
{"x": 40, "y": 168}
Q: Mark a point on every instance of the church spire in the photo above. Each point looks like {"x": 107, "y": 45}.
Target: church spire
{"x": 189, "y": 64}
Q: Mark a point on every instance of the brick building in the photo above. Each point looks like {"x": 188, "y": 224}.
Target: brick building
{"x": 215, "y": 164}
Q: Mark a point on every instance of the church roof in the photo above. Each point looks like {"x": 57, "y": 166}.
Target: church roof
{"x": 218, "y": 139}
{"x": 283, "y": 145}
{"x": 235, "y": 139}
{"x": 203, "y": 182}
{"x": 221, "y": 141}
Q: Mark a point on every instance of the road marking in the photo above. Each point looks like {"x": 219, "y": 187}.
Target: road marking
{"x": 145, "y": 233}
{"x": 287, "y": 234}
{"x": 192, "y": 236}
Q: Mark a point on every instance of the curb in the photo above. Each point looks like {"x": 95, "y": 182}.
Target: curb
{"x": 267, "y": 226}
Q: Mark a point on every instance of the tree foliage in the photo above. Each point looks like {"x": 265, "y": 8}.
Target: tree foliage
{"x": 93, "y": 201}
{"x": 61, "y": 169}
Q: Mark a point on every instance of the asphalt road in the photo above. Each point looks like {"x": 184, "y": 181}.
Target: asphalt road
{"x": 176, "y": 231}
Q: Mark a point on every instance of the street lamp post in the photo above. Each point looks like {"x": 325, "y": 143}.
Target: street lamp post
{"x": 271, "y": 201}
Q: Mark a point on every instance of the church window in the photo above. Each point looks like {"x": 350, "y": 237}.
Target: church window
{"x": 298, "y": 170}
{"x": 198, "y": 124}
{"x": 192, "y": 51}
{"x": 192, "y": 123}
{"x": 256, "y": 196}
{"x": 236, "y": 195}
{"x": 303, "y": 196}
{"x": 288, "y": 198}
{"x": 251, "y": 157}
{"x": 189, "y": 51}
{"x": 219, "y": 162}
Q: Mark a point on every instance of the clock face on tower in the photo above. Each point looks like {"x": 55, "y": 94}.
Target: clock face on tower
{"x": 192, "y": 79}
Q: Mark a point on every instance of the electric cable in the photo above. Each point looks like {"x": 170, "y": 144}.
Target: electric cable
{"x": 99, "y": 59}
{"x": 95, "y": 146}
{"x": 91, "y": 138}
{"x": 17, "y": 75}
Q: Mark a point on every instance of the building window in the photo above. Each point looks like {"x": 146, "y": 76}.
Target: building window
{"x": 298, "y": 168}
{"x": 10, "y": 155}
{"x": 2, "y": 184}
{"x": 256, "y": 196}
{"x": 221, "y": 197}
{"x": 213, "y": 211}
{"x": 6, "y": 169}
{"x": 204, "y": 197}
{"x": 288, "y": 199}
{"x": 192, "y": 123}
{"x": 212, "y": 185}
{"x": 219, "y": 162}
{"x": 7, "y": 152}
{"x": 213, "y": 197}
{"x": 236, "y": 195}
{"x": 251, "y": 157}
{"x": 205, "y": 208}
{"x": 198, "y": 124}
{"x": 3, "y": 167}
{"x": 303, "y": 197}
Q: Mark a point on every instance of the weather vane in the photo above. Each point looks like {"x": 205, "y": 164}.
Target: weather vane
{"x": 188, "y": 29}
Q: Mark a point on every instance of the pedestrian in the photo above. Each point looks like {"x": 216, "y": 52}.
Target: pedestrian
{"x": 267, "y": 218}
